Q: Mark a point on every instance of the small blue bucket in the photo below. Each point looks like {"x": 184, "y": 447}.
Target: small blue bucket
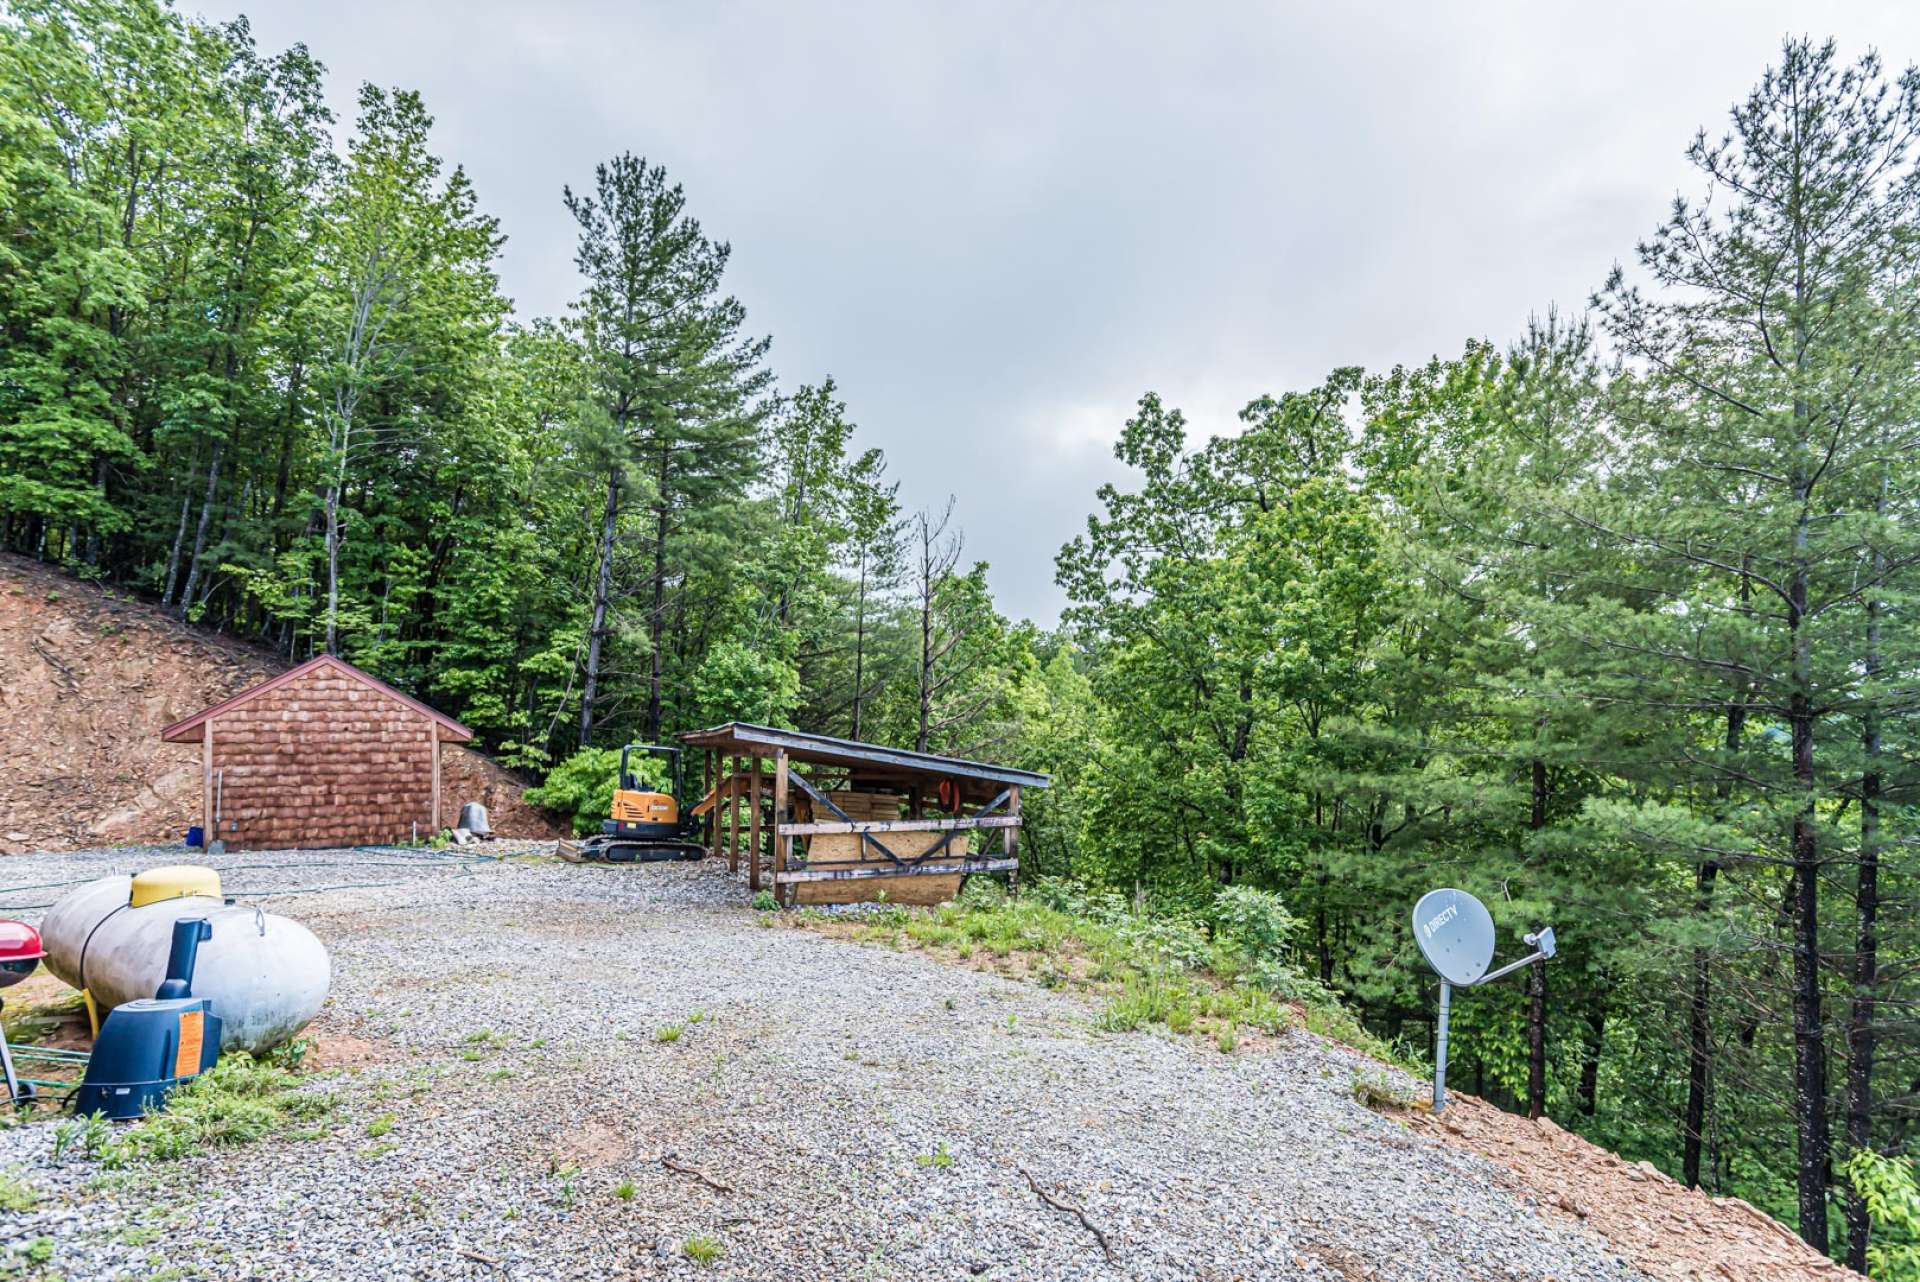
{"x": 195, "y": 837}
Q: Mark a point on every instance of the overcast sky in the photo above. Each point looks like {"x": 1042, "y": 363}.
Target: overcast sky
{"x": 996, "y": 225}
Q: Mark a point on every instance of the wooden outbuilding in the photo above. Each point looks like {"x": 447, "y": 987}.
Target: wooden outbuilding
{"x": 861, "y": 820}
{"x": 321, "y": 755}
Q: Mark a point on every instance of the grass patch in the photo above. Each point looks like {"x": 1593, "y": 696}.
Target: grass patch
{"x": 626, "y": 1190}
{"x": 669, "y": 1032}
{"x": 380, "y": 1126}
{"x": 241, "y": 1100}
{"x": 1220, "y": 974}
{"x": 1374, "y": 1089}
{"x": 702, "y": 1250}
{"x": 16, "y": 1194}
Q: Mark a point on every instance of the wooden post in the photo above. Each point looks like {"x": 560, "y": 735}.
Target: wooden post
{"x": 753, "y": 827}
{"x": 915, "y": 809}
{"x": 733, "y": 814}
{"x": 206, "y": 784}
{"x": 433, "y": 746}
{"x": 780, "y": 843}
{"x": 713, "y": 815}
{"x": 1007, "y": 842}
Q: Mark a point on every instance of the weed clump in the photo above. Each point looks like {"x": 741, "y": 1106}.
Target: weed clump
{"x": 242, "y": 1099}
{"x": 1374, "y": 1089}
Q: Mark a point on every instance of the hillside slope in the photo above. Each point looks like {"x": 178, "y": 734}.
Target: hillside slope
{"x": 88, "y": 678}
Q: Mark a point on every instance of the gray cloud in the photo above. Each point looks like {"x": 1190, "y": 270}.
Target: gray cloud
{"x": 997, "y": 224}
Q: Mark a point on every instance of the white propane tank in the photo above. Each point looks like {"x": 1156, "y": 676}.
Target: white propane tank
{"x": 266, "y": 975}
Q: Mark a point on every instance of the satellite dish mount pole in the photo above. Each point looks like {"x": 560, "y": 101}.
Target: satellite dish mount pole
{"x": 1455, "y": 933}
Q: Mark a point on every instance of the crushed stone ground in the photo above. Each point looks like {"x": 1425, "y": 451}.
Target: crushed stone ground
{"x": 871, "y": 1113}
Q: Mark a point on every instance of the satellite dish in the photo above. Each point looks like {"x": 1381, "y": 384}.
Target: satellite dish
{"x": 1455, "y": 932}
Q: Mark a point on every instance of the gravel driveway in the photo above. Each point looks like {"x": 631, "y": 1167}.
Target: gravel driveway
{"x": 871, "y": 1114}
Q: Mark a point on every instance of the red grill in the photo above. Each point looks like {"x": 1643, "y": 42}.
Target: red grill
{"x": 20, "y": 951}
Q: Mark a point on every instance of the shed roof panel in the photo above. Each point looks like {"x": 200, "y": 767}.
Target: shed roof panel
{"x": 188, "y": 730}
{"x": 826, "y": 750}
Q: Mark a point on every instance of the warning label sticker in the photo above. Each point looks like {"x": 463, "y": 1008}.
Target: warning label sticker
{"x": 192, "y": 1031}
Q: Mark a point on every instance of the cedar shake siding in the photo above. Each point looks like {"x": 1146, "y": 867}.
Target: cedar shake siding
{"x": 322, "y": 755}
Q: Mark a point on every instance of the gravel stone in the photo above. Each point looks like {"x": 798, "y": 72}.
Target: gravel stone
{"x": 509, "y": 1013}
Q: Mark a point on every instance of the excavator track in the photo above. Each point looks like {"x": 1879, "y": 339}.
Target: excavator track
{"x": 613, "y": 850}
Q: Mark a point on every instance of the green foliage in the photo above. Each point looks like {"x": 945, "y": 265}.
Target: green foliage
{"x": 764, "y": 902}
{"x": 740, "y": 683}
{"x": 240, "y": 1100}
{"x": 16, "y": 1194}
{"x": 702, "y": 1249}
{"x": 940, "y": 1159}
{"x": 1892, "y": 1195}
{"x": 581, "y": 788}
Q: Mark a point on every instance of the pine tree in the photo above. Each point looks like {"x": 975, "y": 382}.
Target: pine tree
{"x": 671, "y": 371}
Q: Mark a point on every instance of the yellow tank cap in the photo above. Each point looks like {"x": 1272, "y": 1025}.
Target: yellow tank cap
{"x": 173, "y": 882}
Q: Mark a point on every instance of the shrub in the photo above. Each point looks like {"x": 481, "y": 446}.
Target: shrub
{"x": 1255, "y": 921}
{"x": 1892, "y": 1193}
{"x": 582, "y": 786}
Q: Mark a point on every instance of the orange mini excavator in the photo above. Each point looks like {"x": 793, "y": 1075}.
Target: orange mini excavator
{"x": 646, "y": 824}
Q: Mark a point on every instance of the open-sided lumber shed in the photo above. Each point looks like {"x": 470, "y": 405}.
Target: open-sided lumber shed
{"x": 860, "y": 819}
{"x": 321, "y": 755}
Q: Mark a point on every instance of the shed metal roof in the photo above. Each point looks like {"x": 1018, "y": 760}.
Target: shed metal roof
{"x": 825, "y": 750}
{"x": 187, "y": 731}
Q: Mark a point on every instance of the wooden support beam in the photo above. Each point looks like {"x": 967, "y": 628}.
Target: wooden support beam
{"x": 781, "y": 843}
{"x": 1008, "y": 842}
{"x": 753, "y": 828}
{"x": 433, "y": 740}
{"x": 713, "y": 816}
{"x": 733, "y": 815}
{"x": 206, "y": 783}
{"x": 860, "y": 872}
{"x": 900, "y": 825}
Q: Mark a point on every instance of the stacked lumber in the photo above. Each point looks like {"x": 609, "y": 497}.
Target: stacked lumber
{"x": 848, "y": 850}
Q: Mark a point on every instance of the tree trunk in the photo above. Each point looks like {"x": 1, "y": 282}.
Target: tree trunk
{"x": 602, "y": 589}
{"x": 657, "y": 617}
{"x": 283, "y": 472}
{"x": 859, "y": 644}
{"x": 1699, "y": 1040}
{"x": 1537, "y": 977}
{"x": 1866, "y": 959}
{"x": 1590, "y": 1049}
{"x": 1700, "y": 1015}
{"x": 335, "y": 493}
{"x": 1809, "y": 1033}
{"x": 200, "y": 536}
{"x": 926, "y": 667}
{"x": 179, "y": 545}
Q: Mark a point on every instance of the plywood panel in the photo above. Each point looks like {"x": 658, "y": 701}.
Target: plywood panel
{"x": 843, "y": 850}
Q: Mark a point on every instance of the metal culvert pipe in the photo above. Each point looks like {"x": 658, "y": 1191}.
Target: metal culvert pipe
{"x": 266, "y": 975}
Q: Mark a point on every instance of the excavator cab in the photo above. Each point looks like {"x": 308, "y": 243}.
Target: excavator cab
{"x": 640, "y": 810}
{"x": 645, "y": 824}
